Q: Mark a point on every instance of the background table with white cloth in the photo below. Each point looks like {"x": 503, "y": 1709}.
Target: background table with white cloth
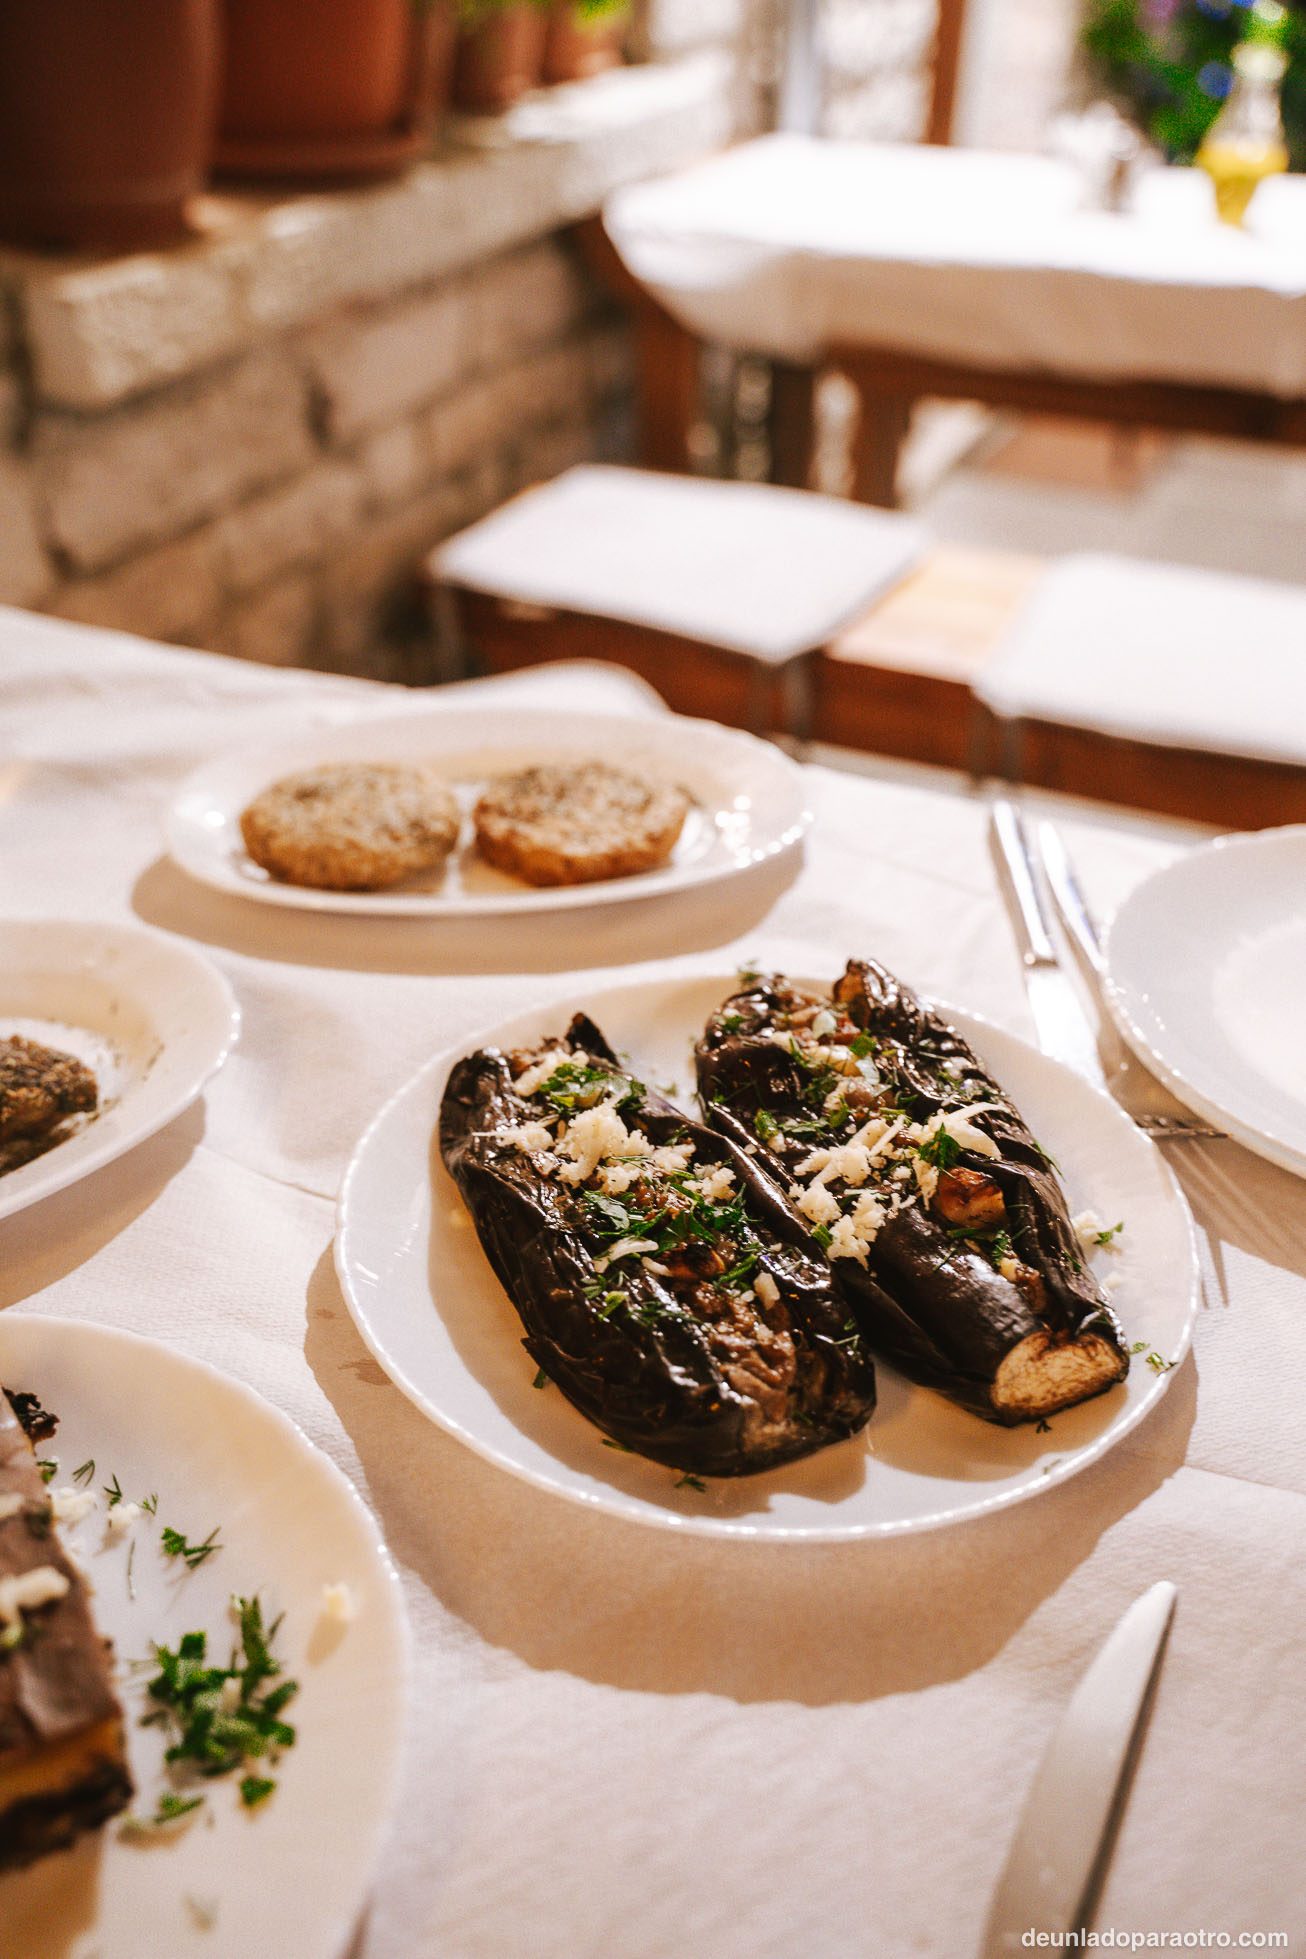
{"x": 622, "y": 1742}
{"x": 929, "y": 271}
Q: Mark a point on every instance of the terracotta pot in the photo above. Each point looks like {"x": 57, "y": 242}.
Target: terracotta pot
{"x": 106, "y": 118}
{"x": 575, "y": 47}
{"x": 327, "y": 89}
{"x": 499, "y": 58}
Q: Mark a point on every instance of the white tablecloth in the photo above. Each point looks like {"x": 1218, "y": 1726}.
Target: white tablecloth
{"x": 622, "y": 1743}
{"x": 791, "y": 244}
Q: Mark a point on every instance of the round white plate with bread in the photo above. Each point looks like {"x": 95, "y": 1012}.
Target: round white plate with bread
{"x": 746, "y": 803}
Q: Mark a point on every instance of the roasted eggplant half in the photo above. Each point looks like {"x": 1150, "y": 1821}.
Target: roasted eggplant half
{"x": 663, "y": 1281}
{"x": 943, "y": 1220}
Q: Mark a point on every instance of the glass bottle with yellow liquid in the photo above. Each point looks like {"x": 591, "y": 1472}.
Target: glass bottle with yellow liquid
{"x": 1245, "y": 143}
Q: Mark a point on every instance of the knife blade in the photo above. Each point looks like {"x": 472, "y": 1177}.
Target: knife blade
{"x": 1063, "y": 1841}
{"x": 1064, "y": 1029}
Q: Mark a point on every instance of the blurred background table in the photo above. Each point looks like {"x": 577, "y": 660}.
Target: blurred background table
{"x": 953, "y": 273}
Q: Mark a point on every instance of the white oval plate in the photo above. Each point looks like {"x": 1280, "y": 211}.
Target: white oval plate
{"x": 748, "y": 803}
{"x": 1207, "y": 962}
{"x": 432, "y": 1312}
{"x": 290, "y": 1878}
{"x": 152, "y": 1017}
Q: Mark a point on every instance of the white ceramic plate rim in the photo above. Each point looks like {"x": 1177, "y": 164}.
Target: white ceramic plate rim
{"x": 84, "y": 1332}
{"x": 1139, "y": 1032}
{"x": 615, "y": 1503}
{"x": 91, "y": 1148}
{"x": 333, "y": 740}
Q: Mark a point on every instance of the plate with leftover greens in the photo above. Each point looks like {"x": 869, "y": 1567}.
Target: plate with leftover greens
{"x": 226, "y": 1780}
{"x": 768, "y": 1257}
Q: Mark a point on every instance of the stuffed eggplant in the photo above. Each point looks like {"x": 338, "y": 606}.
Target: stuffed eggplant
{"x": 942, "y": 1218}
{"x": 663, "y": 1281}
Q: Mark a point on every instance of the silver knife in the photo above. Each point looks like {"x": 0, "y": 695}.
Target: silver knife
{"x": 1059, "y": 1856}
{"x": 1064, "y": 1030}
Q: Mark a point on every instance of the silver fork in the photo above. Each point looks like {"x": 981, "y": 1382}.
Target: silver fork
{"x": 1074, "y": 914}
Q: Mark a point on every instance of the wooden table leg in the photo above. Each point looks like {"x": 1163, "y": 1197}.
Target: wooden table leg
{"x": 666, "y": 390}
{"x": 882, "y": 425}
{"x": 792, "y": 424}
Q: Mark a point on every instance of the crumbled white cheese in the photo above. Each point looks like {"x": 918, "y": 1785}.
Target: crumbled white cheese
{"x": 818, "y": 1203}
{"x": 525, "y": 1136}
{"x": 672, "y": 1158}
{"x": 339, "y": 1603}
{"x": 28, "y": 1590}
{"x": 717, "y": 1184}
{"x": 121, "y": 1519}
{"x": 592, "y": 1135}
{"x": 927, "y": 1178}
{"x": 957, "y": 1124}
{"x": 766, "y": 1289}
{"x": 10, "y": 1505}
{"x": 854, "y": 1233}
{"x": 539, "y": 1071}
{"x": 70, "y": 1505}
{"x": 625, "y": 1248}
{"x": 614, "y": 1179}
{"x": 1088, "y": 1227}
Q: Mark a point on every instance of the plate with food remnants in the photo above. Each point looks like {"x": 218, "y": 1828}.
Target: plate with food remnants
{"x": 479, "y": 811}
{"x": 106, "y": 1033}
{"x": 222, "y": 1771}
{"x": 768, "y": 1257}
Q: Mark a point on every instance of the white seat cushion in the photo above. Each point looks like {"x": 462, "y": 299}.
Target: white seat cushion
{"x": 1159, "y": 653}
{"x": 765, "y": 572}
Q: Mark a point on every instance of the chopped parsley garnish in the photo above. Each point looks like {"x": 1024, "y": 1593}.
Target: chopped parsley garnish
{"x": 822, "y": 1235}
{"x": 1042, "y": 1426}
{"x": 49, "y": 1469}
{"x": 743, "y": 1268}
{"x": 608, "y": 1216}
{"x": 575, "y": 1085}
{"x": 84, "y": 1472}
{"x": 175, "y": 1545}
{"x": 611, "y": 1442}
{"x": 113, "y": 1492}
{"x": 941, "y": 1149}
{"x": 1000, "y": 1248}
{"x": 541, "y": 1379}
{"x": 255, "y": 1789}
{"x": 216, "y": 1728}
{"x": 861, "y": 1045}
{"x": 170, "y": 1807}
{"x": 1109, "y": 1236}
{"x": 688, "y": 1482}
{"x": 1157, "y": 1362}
{"x": 150, "y": 1503}
{"x": 731, "y": 1023}
{"x": 765, "y": 1125}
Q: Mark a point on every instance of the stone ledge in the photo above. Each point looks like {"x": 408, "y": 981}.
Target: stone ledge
{"x": 99, "y": 331}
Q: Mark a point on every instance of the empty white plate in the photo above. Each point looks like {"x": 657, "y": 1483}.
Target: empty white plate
{"x": 747, "y": 802}
{"x": 1207, "y": 962}
{"x": 151, "y": 1017}
{"x": 432, "y": 1312}
{"x": 289, "y": 1878}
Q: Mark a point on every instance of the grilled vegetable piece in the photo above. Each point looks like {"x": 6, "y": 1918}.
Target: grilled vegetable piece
{"x": 944, "y": 1221}
{"x": 63, "y": 1759}
{"x": 663, "y": 1282}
